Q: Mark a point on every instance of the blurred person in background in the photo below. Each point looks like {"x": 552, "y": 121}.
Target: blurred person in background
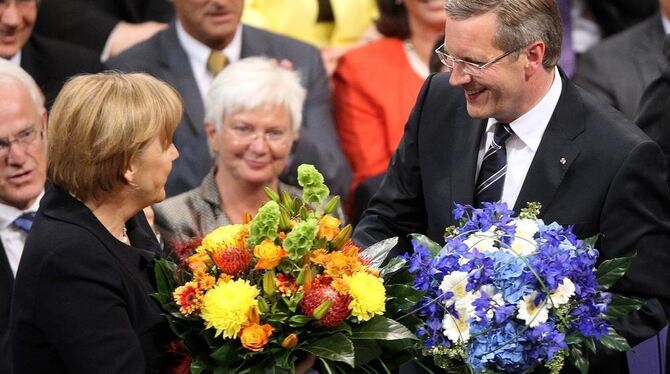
{"x": 618, "y": 69}
{"x": 82, "y": 299}
{"x": 334, "y": 26}
{"x": 197, "y": 45}
{"x": 253, "y": 116}
{"x": 49, "y": 61}
{"x": 376, "y": 85}
{"x": 107, "y": 27}
{"x": 22, "y": 177}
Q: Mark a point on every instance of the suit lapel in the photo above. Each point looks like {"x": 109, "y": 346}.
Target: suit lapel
{"x": 556, "y": 152}
{"x": 176, "y": 69}
{"x": 649, "y": 55}
{"x": 465, "y": 145}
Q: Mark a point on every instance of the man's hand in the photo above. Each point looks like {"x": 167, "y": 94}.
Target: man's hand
{"x": 126, "y": 35}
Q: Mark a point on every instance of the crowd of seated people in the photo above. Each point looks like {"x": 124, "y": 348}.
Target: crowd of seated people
{"x": 263, "y": 86}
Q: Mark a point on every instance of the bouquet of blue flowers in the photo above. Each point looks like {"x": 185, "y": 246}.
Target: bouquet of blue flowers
{"x": 512, "y": 294}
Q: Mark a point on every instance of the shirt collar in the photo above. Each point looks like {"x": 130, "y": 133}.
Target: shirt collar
{"x": 531, "y": 125}
{"x": 9, "y": 213}
{"x": 666, "y": 23}
{"x": 199, "y": 52}
{"x": 16, "y": 59}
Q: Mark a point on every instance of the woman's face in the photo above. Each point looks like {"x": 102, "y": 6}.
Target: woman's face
{"x": 429, "y": 13}
{"x": 253, "y": 146}
{"x": 150, "y": 169}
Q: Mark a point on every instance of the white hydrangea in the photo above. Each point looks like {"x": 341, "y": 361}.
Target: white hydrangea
{"x": 532, "y": 314}
{"x": 524, "y": 244}
{"x": 563, "y": 293}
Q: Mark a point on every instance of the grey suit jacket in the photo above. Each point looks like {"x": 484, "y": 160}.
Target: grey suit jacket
{"x": 618, "y": 70}
{"x": 164, "y": 57}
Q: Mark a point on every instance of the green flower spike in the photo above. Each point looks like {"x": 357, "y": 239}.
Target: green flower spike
{"x": 299, "y": 241}
{"x": 264, "y": 225}
{"x": 311, "y": 181}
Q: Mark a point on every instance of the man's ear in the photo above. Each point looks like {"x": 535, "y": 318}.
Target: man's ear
{"x": 535, "y": 56}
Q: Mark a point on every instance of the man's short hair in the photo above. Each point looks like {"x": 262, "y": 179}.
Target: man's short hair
{"x": 99, "y": 122}
{"x": 10, "y": 73}
{"x": 251, "y": 83}
{"x": 520, "y": 22}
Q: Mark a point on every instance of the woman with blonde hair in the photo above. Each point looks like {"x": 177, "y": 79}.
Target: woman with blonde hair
{"x": 82, "y": 293}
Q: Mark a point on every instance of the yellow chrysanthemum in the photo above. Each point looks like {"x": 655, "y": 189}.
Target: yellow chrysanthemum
{"x": 368, "y": 295}
{"x": 228, "y": 236}
{"x": 226, "y": 306}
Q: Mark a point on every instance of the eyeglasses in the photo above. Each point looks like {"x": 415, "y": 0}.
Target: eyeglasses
{"x": 25, "y": 137}
{"x": 245, "y": 134}
{"x": 470, "y": 68}
{"x": 4, "y": 4}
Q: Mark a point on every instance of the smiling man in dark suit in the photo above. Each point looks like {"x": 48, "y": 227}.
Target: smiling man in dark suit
{"x": 49, "y": 62}
{"x": 22, "y": 178}
{"x": 583, "y": 162}
{"x": 181, "y": 55}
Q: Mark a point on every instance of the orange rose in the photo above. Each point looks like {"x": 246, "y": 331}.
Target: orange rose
{"x": 329, "y": 227}
{"x": 269, "y": 255}
{"x": 254, "y": 336}
{"x": 199, "y": 263}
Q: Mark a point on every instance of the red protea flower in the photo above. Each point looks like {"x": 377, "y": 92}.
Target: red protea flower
{"x": 320, "y": 292}
{"x": 231, "y": 260}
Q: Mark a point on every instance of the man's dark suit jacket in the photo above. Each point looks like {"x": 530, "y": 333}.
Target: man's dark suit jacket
{"x": 619, "y": 69}
{"x": 654, "y": 112}
{"x": 612, "y": 182}
{"x": 164, "y": 57}
{"x": 6, "y": 284}
{"x": 52, "y": 62}
{"x": 81, "y": 297}
{"x": 88, "y": 23}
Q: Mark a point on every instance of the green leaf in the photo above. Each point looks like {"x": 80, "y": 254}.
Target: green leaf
{"x": 164, "y": 271}
{"x": 298, "y": 320}
{"x": 197, "y": 366}
{"x": 579, "y": 360}
{"x": 326, "y": 367}
{"x": 431, "y": 245}
{"x": 614, "y": 341}
{"x": 226, "y": 356}
{"x": 611, "y": 270}
{"x": 377, "y": 252}
{"x": 591, "y": 241}
{"x": 393, "y": 265}
{"x": 381, "y": 328}
{"x": 401, "y": 297}
{"x": 336, "y": 348}
{"x": 365, "y": 351}
{"x": 622, "y": 305}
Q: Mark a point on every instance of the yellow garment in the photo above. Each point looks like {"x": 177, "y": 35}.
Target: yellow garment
{"x": 297, "y": 19}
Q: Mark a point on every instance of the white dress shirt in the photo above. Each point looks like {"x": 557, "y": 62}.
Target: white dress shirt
{"x": 198, "y": 53}
{"x": 13, "y": 238}
{"x": 522, "y": 145}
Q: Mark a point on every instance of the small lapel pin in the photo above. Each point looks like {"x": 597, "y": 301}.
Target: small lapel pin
{"x": 562, "y": 160}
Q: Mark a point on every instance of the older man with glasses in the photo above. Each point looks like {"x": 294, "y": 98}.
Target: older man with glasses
{"x": 507, "y": 125}
{"x": 22, "y": 178}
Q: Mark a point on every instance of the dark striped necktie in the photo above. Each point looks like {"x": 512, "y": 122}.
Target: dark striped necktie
{"x": 491, "y": 177}
{"x": 25, "y": 221}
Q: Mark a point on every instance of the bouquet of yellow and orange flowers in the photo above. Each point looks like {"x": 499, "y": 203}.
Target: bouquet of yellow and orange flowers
{"x": 253, "y": 297}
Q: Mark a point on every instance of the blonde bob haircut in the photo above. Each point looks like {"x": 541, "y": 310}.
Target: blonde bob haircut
{"x": 99, "y": 122}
